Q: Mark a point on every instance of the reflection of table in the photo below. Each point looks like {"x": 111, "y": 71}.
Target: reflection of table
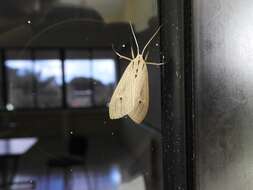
{"x": 11, "y": 150}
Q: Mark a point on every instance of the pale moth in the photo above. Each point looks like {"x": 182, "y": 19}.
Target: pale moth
{"x": 131, "y": 96}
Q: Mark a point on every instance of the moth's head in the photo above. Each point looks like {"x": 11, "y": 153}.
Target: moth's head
{"x": 139, "y": 57}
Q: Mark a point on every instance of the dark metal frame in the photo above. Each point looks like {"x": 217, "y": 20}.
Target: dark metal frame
{"x": 189, "y": 93}
{"x": 177, "y": 95}
{"x": 4, "y": 80}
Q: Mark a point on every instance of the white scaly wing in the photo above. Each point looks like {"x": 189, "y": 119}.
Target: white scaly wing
{"x": 122, "y": 102}
{"x": 141, "y": 97}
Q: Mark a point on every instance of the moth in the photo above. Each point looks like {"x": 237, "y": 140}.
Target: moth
{"x": 131, "y": 96}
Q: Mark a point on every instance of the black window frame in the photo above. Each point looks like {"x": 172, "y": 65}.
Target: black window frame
{"x": 178, "y": 108}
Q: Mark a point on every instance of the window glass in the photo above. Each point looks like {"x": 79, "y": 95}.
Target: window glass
{"x": 104, "y": 77}
{"x": 78, "y": 75}
{"x": 60, "y": 64}
{"x": 49, "y": 83}
{"x": 21, "y": 82}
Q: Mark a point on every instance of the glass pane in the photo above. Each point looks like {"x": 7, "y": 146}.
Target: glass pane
{"x": 104, "y": 78}
{"x": 78, "y": 146}
{"x": 49, "y": 82}
{"x": 78, "y": 80}
{"x": 223, "y": 36}
{"x": 20, "y": 84}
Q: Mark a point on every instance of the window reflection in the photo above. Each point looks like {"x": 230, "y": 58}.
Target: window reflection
{"x": 81, "y": 91}
{"x": 137, "y": 183}
{"x": 107, "y": 179}
{"x": 20, "y": 83}
{"x": 89, "y": 82}
{"x": 78, "y": 81}
{"x": 49, "y": 81}
{"x": 104, "y": 70}
{"x": 79, "y": 33}
{"x": 103, "y": 74}
{"x": 16, "y": 146}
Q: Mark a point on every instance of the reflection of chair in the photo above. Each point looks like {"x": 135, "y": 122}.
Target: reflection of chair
{"x": 12, "y": 149}
{"x": 76, "y": 157}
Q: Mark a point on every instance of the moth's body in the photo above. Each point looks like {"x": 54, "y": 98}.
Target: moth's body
{"x": 131, "y": 96}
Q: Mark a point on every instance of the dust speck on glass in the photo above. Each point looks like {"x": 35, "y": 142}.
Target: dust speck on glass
{"x": 57, "y": 75}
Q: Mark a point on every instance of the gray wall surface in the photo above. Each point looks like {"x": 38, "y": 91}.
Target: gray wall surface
{"x": 224, "y": 68}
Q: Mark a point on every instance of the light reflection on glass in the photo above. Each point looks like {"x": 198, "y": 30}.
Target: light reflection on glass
{"x": 115, "y": 175}
{"x": 57, "y": 182}
{"x": 20, "y": 83}
{"x": 22, "y": 67}
{"x": 45, "y": 69}
{"x": 78, "y": 178}
{"x": 136, "y": 183}
{"x": 104, "y": 76}
{"x": 10, "y": 107}
{"x": 104, "y": 70}
{"x": 77, "y": 75}
{"x": 16, "y": 146}
{"x": 77, "y": 68}
{"x": 48, "y": 75}
{"x": 49, "y": 80}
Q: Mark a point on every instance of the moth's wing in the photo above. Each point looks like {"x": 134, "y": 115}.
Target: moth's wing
{"x": 141, "y": 97}
{"x": 122, "y": 99}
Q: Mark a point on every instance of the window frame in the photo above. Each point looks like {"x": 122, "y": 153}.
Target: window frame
{"x": 178, "y": 99}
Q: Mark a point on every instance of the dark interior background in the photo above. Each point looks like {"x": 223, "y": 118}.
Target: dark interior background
{"x": 77, "y": 147}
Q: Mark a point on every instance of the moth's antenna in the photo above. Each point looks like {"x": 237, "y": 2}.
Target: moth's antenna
{"x": 151, "y": 39}
{"x": 138, "y": 49}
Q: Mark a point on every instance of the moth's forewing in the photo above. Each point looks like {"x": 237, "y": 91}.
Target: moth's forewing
{"x": 141, "y": 93}
{"x": 122, "y": 99}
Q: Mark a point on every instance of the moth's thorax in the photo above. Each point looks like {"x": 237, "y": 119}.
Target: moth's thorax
{"x": 138, "y": 67}
{"x": 139, "y": 61}
{"x": 139, "y": 57}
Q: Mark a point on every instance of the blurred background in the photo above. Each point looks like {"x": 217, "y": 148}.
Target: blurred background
{"x": 57, "y": 74}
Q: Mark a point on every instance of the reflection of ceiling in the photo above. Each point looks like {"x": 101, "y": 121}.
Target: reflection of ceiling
{"x": 137, "y": 11}
{"x": 14, "y": 15}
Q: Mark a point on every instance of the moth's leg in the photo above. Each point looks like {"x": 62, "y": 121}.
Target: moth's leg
{"x": 121, "y": 56}
{"x": 157, "y": 64}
